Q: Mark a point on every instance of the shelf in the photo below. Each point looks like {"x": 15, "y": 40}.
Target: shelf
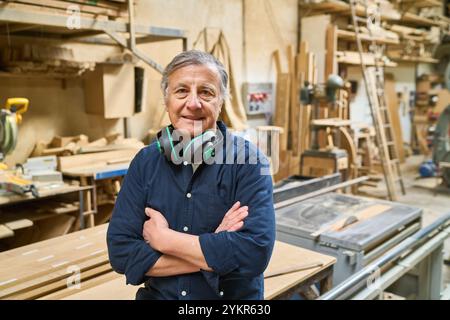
{"x": 336, "y": 6}
{"x": 351, "y": 36}
{"x": 414, "y": 59}
{"x": 422, "y": 3}
{"x": 16, "y": 20}
{"x": 413, "y": 19}
{"x": 53, "y": 23}
{"x": 352, "y": 58}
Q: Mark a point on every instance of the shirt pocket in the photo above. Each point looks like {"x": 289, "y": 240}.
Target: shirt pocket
{"x": 216, "y": 208}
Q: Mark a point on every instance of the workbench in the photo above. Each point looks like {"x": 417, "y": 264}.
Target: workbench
{"x": 91, "y": 175}
{"x": 11, "y": 220}
{"x": 41, "y": 270}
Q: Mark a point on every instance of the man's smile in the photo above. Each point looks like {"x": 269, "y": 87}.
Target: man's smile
{"x": 193, "y": 118}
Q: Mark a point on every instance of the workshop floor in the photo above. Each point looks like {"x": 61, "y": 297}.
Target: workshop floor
{"x": 423, "y": 193}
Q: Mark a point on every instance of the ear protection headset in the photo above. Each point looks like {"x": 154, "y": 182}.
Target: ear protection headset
{"x": 177, "y": 150}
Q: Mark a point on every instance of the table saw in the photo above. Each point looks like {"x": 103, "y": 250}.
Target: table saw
{"x": 355, "y": 230}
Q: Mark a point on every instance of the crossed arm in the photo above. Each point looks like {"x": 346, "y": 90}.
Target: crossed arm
{"x": 182, "y": 252}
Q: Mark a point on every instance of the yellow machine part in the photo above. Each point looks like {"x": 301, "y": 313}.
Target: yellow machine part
{"x": 18, "y": 106}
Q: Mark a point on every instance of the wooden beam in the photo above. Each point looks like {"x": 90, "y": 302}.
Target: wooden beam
{"x": 331, "y": 47}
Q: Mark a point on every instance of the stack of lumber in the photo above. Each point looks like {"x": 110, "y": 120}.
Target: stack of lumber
{"x": 39, "y": 59}
{"x": 415, "y": 45}
{"x": 50, "y": 266}
{"x": 290, "y": 115}
{"x": 423, "y": 12}
{"x": 107, "y": 9}
{"x": 65, "y": 146}
{"x": 76, "y": 267}
{"x": 388, "y": 11}
{"x": 353, "y": 57}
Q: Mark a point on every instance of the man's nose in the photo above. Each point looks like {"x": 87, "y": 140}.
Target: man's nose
{"x": 193, "y": 102}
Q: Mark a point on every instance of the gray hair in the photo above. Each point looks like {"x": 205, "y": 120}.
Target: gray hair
{"x": 195, "y": 57}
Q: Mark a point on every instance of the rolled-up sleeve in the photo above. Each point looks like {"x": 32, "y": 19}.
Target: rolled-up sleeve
{"x": 248, "y": 250}
{"x": 129, "y": 254}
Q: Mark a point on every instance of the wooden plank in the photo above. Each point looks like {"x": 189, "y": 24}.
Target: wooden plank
{"x": 414, "y": 19}
{"x": 293, "y": 268}
{"x": 102, "y": 4}
{"x": 48, "y": 246}
{"x": 302, "y": 71}
{"x": 97, "y": 159}
{"x": 393, "y": 107}
{"x": 283, "y": 166}
{"x": 19, "y": 224}
{"x": 282, "y": 107}
{"x": 276, "y": 57}
{"x": 63, "y": 5}
{"x": 8, "y": 292}
{"x": 294, "y": 104}
{"x": 60, "y": 284}
{"x": 331, "y": 47}
{"x": 48, "y": 10}
{"x": 5, "y": 232}
{"x": 351, "y": 36}
{"x": 44, "y": 262}
{"x": 112, "y": 286}
{"x": 288, "y": 255}
{"x": 352, "y": 57}
{"x": 108, "y": 286}
{"x": 331, "y": 122}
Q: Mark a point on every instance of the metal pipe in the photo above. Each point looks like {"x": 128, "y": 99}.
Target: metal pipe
{"x": 403, "y": 266}
{"x": 345, "y": 184}
{"x": 344, "y": 289}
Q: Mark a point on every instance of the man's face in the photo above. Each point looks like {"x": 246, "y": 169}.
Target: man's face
{"x": 193, "y": 99}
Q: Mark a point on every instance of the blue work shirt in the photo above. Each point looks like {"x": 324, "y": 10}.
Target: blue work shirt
{"x": 196, "y": 204}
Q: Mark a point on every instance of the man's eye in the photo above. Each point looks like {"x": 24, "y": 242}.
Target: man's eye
{"x": 206, "y": 93}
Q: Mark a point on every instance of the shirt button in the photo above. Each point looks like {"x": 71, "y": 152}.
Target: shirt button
{"x": 188, "y": 195}
{"x": 185, "y": 163}
{"x": 221, "y": 293}
{"x": 185, "y": 228}
{"x": 183, "y": 293}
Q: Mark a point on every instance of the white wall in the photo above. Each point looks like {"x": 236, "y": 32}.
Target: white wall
{"x": 405, "y": 75}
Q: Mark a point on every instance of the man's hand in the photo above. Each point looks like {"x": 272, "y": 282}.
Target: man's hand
{"x": 155, "y": 228}
{"x": 233, "y": 219}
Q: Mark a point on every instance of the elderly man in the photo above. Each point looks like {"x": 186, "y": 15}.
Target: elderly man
{"x": 194, "y": 230}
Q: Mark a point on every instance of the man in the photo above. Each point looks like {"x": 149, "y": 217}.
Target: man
{"x": 194, "y": 231}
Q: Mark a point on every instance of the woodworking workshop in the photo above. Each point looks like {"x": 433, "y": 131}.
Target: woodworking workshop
{"x": 225, "y": 150}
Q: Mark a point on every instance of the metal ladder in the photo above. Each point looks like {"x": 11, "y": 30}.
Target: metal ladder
{"x": 374, "y": 84}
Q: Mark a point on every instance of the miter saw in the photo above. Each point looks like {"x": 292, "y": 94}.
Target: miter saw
{"x": 10, "y": 118}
